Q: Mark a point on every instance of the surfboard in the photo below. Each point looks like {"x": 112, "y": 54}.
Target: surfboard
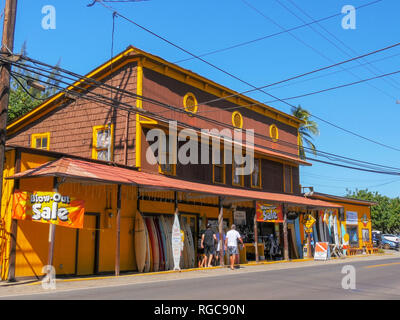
{"x": 164, "y": 242}
{"x": 140, "y": 242}
{"x": 191, "y": 256}
{"x": 321, "y": 227}
{"x": 156, "y": 251}
{"x": 293, "y": 239}
{"x": 335, "y": 229}
{"x": 167, "y": 242}
{"x": 168, "y": 224}
{"x": 154, "y": 246}
{"x": 147, "y": 265}
{"x": 315, "y": 233}
{"x": 298, "y": 238}
{"x": 160, "y": 245}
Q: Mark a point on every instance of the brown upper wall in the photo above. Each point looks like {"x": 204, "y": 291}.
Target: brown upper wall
{"x": 71, "y": 124}
{"x": 170, "y": 91}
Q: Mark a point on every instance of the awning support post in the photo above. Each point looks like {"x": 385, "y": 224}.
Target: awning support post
{"x": 118, "y": 242}
{"x": 255, "y": 231}
{"x": 285, "y": 233}
{"x": 52, "y": 231}
{"x": 220, "y": 230}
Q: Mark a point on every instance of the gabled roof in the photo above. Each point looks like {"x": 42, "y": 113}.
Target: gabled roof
{"x": 134, "y": 54}
{"x": 339, "y": 199}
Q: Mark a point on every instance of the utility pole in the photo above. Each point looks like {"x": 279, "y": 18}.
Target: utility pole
{"x": 7, "y": 45}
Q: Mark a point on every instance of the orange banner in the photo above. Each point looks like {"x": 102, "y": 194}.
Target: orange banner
{"x": 48, "y": 207}
{"x": 269, "y": 213}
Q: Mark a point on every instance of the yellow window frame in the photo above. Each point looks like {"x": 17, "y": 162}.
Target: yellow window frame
{"x": 40, "y": 136}
{"x": 95, "y": 149}
{"x": 241, "y": 177}
{"x": 186, "y": 106}
{"x": 291, "y": 178}
{"x": 259, "y": 175}
{"x": 173, "y": 166}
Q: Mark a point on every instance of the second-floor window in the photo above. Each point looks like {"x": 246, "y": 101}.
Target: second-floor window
{"x": 237, "y": 178}
{"x": 41, "y": 141}
{"x": 256, "y": 174}
{"x": 166, "y": 166}
{"x": 102, "y": 142}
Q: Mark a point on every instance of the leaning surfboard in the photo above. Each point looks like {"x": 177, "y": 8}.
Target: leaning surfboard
{"x": 154, "y": 245}
{"x": 140, "y": 242}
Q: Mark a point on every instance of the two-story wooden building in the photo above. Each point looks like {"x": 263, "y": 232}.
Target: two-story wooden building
{"x": 92, "y": 143}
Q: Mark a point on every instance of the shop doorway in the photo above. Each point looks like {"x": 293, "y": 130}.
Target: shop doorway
{"x": 87, "y": 245}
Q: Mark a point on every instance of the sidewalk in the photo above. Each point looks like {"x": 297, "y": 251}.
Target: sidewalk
{"x": 73, "y": 283}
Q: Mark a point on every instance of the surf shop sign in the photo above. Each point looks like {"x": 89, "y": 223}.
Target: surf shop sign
{"x": 268, "y": 213}
{"x": 48, "y": 207}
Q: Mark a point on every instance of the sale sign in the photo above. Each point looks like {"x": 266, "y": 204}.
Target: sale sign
{"x": 48, "y": 207}
{"x": 269, "y": 213}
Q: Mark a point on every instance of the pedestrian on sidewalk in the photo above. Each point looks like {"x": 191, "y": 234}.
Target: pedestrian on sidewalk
{"x": 231, "y": 244}
{"x": 207, "y": 243}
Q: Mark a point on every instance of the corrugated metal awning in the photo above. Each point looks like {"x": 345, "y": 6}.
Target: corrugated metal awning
{"x": 87, "y": 171}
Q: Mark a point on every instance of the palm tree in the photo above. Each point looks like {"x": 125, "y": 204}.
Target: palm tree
{"x": 307, "y": 130}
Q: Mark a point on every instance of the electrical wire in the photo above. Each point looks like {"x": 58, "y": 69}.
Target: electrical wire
{"x": 275, "y": 34}
{"x": 233, "y": 76}
{"x": 336, "y": 87}
{"x": 285, "y": 143}
{"x": 130, "y": 109}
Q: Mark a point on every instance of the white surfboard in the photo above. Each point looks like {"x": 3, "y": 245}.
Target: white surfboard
{"x": 176, "y": 242}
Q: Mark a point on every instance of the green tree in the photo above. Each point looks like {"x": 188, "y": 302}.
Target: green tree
{"x": 307, "y": 130}
{"x": 23, "y": 96}
{"x": 385, "y": 215}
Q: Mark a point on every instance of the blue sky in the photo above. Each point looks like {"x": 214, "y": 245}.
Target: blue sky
{"x": 82, "y": 40}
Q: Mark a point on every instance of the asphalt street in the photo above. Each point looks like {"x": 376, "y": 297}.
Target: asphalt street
{"x": 374, "y": 279}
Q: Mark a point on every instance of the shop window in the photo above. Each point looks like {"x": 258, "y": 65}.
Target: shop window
{"x": 353, "y": 236}
{"x": 166, "y": 167}
{"x": 219, "y": 173}
{"x": 41, "y": 141}
{"x": 273, "y": 132}
{"x": 256, "y": 174}
{"x": 365, "y": 235}
{"x": 237, "y": 120}
{"x": 102, "y": 142}
{"x": 237, "y": 179}
{"x": 190, "y": 103}
{"x": 287, "y": 179}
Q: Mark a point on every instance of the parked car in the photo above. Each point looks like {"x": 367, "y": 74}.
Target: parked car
{"x": 389, "y": 241}
{"x": 376, "y": 238}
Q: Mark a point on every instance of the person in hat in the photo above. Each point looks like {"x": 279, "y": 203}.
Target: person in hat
{"x": 207, "y": 243}
{"x": 231, "y": 244}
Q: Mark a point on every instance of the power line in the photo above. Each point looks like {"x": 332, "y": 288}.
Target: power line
{"x": 334, "y": 44}
{"x": 370, "y": 65}
{"x": 114, "y": 102}
{"x": 336, "y": 87}
{"x": 231, "y": 75}
{"x": 275, "y": 34}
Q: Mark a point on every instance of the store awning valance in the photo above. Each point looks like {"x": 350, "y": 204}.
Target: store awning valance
{"x": 87, "y": 171}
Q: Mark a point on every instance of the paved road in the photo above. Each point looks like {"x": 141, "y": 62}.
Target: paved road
{"x": 375, "y": 279}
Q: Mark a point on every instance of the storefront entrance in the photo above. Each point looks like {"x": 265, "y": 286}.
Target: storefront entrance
{"x": 87, "y": 240}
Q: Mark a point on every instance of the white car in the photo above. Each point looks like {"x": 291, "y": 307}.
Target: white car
{"x": 391, "y": 237}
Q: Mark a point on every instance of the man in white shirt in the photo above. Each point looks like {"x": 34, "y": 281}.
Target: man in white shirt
{"x": 231, "y": 244}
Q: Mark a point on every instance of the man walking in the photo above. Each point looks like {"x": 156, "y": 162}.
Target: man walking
{"x": 231, "y": 244}
{"x": 207, "y": 242}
